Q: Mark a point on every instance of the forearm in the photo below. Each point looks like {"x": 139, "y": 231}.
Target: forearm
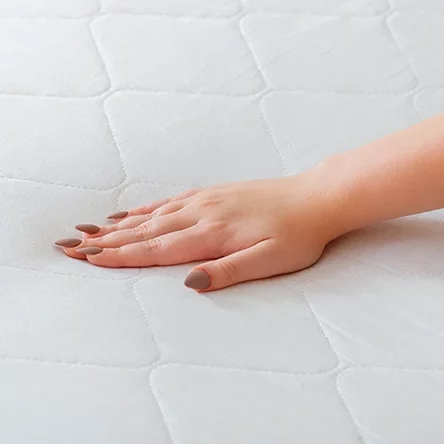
{"x": 400, "y": 175}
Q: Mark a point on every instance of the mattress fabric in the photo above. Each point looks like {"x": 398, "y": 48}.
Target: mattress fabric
{"x": 109, "y": 104}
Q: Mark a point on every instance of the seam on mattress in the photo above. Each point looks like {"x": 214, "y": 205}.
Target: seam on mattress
{"x": 435, "y": 89}
{"x": 166, "y": 92}
{"x": 346, "y": 93}
{"x": 154, "y": 184}
{"x": 228, "y": 367}
{"x": 395, "y": 40}
{"x": 343, "y": 332}
{"x": 79, "y": 97}
{"x": 267, "y": 89}
{"x": 63, "y": 185}
{"x": 80, "y": 276}
{"x": 415, "y": 105}
{"x": 258, "y": 71}
{"x": 53, "y": 17}
{"x": 55, "y": 96}
{"x": 99, "y": 54}
{"x": 160, "y": 363}
{"x": 273, "y": 138}
{"x": 327, "y": 371}
{"x": 371, "y": 93}
{"x": 386, "y": 11}
{"x": 315, "y": 316}
{"x": 77, "y": 363}
{"x": 50, "y": 17}
{"x": 382, "y": 369}
{"x": 129, "y": 88}
{"x": 116, "y": 144}
{"x": 189, "y": 92}
{"x": 147, "y": 321}
{"x": 104, "y": 190}
{"x": 159, "y": 406}
{"x": 239, "y": 12}
{"x": 88, "y": 21}
{"x": 354, "y": 421}
{"x": 252, "y": 54}
{"x": 164, "y": 417}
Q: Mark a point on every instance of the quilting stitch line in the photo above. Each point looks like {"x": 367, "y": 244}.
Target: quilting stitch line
{"x": 76, "y": 364}
{"x": 250, "y": 369}
{"x": 57, "y": 273}
{"x": 273, "y": 138}
{"x": 396, "y": 42}
{"x": 147, "y": 321}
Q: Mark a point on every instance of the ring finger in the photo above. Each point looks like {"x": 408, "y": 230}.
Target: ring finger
{"x": 143, "y": 232}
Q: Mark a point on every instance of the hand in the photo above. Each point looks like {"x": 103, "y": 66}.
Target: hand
{"x": 248, "y": 230}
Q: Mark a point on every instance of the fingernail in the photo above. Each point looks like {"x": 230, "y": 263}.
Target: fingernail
{"x": 91, "y": 251}
{"x": 88, "y": 228}
{"x": 68, "y": 243}
{"x": 198, "y": 280}
{"x": 119, "y": 215}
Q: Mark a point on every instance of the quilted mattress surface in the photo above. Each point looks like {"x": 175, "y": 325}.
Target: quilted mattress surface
{"x": 108, "y": 104}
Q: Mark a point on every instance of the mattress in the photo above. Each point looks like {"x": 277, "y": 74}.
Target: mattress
{"x": 108, "y": 104}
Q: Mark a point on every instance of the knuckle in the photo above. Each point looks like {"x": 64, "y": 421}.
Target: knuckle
{"x": 153, "y": 245}
{"x": 216, "y": 235}
{"x": 141, "y": 232}
{"x": 217, "y": 229}
{"x": 96, "y": 242}
{"x": 169, "y": 208}
{"x": 228, "y": 270}
{"x": 207, "y": 202}
{"x": 154, "y": 213}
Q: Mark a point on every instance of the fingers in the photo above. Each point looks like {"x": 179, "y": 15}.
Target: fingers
{"x": 128, "y": 222}
{"x": 93, "y": 231}
{"x": 151, "y": 207}
{"x": 259, "y": 261}
{"x": 170, "y": 249}
{"x": 143, "y": 232}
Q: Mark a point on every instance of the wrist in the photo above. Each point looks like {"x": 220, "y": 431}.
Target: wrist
{"x": 341, "y": 194}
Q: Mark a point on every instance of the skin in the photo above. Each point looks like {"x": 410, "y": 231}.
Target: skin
{"x": 257, "y": 229}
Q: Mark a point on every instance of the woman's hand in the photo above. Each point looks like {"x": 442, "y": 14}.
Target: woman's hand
{"x": 248, "y": 230}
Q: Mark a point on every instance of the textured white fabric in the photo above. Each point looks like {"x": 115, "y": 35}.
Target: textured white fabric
{"x": 107, "y": 105}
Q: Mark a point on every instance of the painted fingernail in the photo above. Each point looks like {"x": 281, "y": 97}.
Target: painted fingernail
{"x": 91, "y": 251}
{"x": 119, "y": 215}
{"x": 88, "y": 228}
{"x": 198, "y": 280}
{"x": 68, "y": 243}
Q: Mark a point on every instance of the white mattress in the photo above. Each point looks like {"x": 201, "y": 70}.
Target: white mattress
{"x": 105, "y": 105}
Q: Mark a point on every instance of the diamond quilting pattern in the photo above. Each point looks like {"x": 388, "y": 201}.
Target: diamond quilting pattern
{"x": 113, "y": 103}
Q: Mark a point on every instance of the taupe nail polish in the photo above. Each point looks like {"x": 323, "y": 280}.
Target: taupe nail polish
{"x": 88, "y": 228}
{"x": 68, "y": 243}
{"x": 198, "y": 280}
{"x": 119, "y": 215}
{"x": 91, "y": 251}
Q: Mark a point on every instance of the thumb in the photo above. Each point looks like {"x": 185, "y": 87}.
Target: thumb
{"x": 244, "y": 265}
